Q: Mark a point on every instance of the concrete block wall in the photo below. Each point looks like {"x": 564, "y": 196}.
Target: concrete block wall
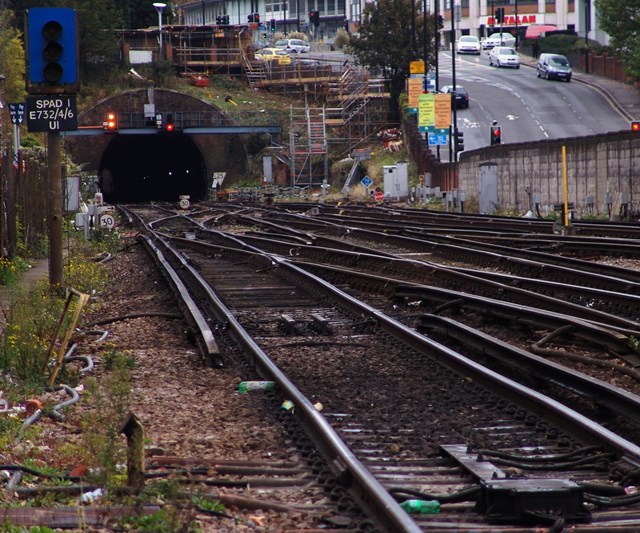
{"x": 603, "y": 167}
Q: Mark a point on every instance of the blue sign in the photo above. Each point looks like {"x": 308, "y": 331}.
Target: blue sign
{"x": 366, "y": 181}
{"x": 441, "y": 139}
{"x": 17, "y": 113}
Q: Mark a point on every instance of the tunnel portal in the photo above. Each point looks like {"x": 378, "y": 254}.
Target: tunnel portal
{"x": 162, "y": 167}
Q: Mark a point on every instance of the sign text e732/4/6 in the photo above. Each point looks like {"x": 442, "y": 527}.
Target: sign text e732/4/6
{"x": 52, "y": 113}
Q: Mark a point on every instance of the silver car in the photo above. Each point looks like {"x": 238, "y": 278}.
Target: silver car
{"x": 504, "y": 56}
{"x": 498, "y": 39}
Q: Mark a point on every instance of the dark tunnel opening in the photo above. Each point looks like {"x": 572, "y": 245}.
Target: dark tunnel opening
{"x": 161, "y": 167}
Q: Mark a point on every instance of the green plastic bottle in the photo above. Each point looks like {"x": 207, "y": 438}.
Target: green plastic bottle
{"x": 247, "y": 386}
{"x": 421, "y": 506}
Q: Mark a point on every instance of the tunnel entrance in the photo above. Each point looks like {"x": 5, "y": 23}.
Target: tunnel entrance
{"x": 160, "y": 167}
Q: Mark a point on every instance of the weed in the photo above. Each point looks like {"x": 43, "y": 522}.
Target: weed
{"x": 10, "y": 269}
{"x": 108, "y": 406}
{"x": 167, "y": 520}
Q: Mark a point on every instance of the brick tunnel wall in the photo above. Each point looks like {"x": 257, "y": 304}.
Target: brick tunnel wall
{"x": 220, "y": 152}
{"x": 603, "y": 167}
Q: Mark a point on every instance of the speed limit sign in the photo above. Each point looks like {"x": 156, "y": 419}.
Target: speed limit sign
{"x": 107, "y": 222}
{"x": 184, "y": 203}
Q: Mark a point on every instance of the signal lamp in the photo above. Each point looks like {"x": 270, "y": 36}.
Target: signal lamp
{"x": 169, "y": 126}
{"x": 111, "y": 122}
{"x": 635, "y": 125}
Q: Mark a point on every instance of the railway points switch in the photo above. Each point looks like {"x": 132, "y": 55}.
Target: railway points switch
{"x": 525, "y": 500}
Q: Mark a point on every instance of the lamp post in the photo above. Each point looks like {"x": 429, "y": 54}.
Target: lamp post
{"x": 159, "y": 8}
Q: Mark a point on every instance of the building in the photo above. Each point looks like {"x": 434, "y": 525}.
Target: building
{"x": 473, "y": 17}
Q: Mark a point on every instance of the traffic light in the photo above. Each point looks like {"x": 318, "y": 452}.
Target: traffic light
{"x": 346, "y": 24}
{"x": 256, "y": 17}
{"x": 496, "y": 135}
{"x": 111, "y": 122}
{"x": 250, "y": 17}
{"x": 314, "y": 18}
{"x": 499, "y": 14}
{"x": 52, "y": 50}
{"x": 440, "y": 22}
{"x": 272, "y": 24}
{"x": 225, "y": 19}
{"x": 458, "y": 140}
{"x": 635, "y": 125}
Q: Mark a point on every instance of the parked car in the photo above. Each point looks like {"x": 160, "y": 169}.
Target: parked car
{"x": 554, "y": 66}
{"x": 498, "y": 39}
{"x": 271, "y": 54}
{"x": 504, "y": 56}
{"x": 459, "y": 97}
{"x": 468, "y": 44}
{"x": 293, "y": 45}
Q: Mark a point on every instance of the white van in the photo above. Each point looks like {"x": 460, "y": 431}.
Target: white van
{"x": 293, "y": 45}
{"x": 554, "y": 66}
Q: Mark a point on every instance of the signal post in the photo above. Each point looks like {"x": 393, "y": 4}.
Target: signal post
{"x": 52, "y": 83}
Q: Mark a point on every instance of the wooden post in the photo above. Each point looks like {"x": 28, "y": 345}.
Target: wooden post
{"x": 134, "y": 432}
{"x": 54, "y": 173}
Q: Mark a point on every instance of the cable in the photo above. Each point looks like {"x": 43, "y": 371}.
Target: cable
{"x": 464, "y": 495}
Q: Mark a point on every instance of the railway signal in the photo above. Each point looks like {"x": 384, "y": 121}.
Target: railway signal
{"x": 168, "y": 124}
{"x": 111, "y": 122}
{"x": 635, "y": 125}
{"x": 52, "y": 50}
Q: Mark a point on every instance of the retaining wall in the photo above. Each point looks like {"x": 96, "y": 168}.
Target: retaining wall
{"x": 602, "y": 168}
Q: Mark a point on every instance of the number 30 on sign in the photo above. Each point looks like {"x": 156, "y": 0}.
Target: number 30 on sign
{"x": 107, "y": 222}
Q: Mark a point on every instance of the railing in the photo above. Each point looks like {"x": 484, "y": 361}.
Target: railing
{"x": 198, "y": 119}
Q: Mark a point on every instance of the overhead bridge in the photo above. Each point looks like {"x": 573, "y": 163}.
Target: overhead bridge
{"x": 163, "y": 144}
{"x": 190, "y": 123}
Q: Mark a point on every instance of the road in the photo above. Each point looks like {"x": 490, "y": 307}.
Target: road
{"x": 527, "y": 107}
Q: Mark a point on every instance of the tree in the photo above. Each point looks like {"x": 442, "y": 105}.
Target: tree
{"x": 390, "y": 37}
{"x": 621, "y": 20}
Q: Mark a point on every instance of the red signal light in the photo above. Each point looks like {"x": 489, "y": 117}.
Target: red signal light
{"x": 169, "y": 125}
{"x": 635, "y": 125}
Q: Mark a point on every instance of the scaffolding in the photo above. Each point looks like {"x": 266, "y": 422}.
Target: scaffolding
{"x": 309, "y": 155}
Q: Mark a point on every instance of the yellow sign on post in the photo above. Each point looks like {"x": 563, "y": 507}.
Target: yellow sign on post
{"x": 416, "y": 67}
{"x": 442, "y": 111}
{"x": 426, "y": 109}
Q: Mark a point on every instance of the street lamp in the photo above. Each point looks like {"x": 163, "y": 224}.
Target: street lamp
{"x": 159, "y": 8}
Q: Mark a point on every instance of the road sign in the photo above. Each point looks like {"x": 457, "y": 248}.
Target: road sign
{"x": 441, "y": 139}
{"x": 17, "y": 112}
{"x": 366, "y": 181}
{"x": 378, "y": 196}
{"x": 52, "y": 113}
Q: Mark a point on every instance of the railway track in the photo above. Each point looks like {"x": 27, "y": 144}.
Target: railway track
{"x": 403, "y": 416}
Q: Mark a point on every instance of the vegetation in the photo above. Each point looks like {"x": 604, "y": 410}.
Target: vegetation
{"x": 621, "y": 20}
{"x": 387, "y": 45}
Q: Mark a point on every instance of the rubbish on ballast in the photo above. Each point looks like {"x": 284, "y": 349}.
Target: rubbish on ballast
{"x": 318, "y": 406}
{"x": 247, "y": 386}
{"x": 421, "y": 506}
{"x": 90, "y": 497}
{"x": 287, "y": 405}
